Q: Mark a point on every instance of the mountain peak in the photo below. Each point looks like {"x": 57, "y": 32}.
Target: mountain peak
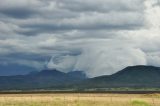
{"x": 141, "y": 67}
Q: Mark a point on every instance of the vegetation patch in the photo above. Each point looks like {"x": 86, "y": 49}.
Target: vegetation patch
{"x": 140, "y": 103}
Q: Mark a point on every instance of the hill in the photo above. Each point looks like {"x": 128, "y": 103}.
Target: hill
{"x": 40, "y": 80}
{"x": 132, "y": 77}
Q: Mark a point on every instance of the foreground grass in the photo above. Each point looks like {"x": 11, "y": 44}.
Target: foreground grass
{"x": 140, "y": 103}
{"x": 79, "y": 100}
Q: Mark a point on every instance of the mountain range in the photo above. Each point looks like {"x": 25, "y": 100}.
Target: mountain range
{"x": 41, "y": 80}
{"x": 131, "y": 77}
{"x": 15, "y": 69}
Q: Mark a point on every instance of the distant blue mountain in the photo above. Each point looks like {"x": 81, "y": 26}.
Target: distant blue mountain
{"x": 130, "y": 77}
{"x": 78, "y": 74}
{"x": 40, "y": 80}
{"x": 15, "y": 69}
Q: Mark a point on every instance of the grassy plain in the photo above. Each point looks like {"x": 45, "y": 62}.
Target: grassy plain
{"x": 80, "y": 99}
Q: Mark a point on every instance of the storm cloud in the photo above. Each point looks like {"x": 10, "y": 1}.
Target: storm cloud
{"x": 98, "y": 37}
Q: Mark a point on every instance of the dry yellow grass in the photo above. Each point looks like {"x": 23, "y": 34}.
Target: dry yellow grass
{"x": 80, "y": 100}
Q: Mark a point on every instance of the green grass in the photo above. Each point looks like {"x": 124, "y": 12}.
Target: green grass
{"x": 140, "y": 103}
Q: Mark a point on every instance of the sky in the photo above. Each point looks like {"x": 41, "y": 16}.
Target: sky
{"x": 99, "y": 37}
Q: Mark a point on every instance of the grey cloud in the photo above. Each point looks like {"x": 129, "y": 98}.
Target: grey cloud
{"x": 58, "y": 16}
{"x": 101, "y": 5}
{"x": 19, "y": 9}
{"x": 154, "y": 58}
{"x": 99, "y": 37}
{"x": 157, "y": 3}
{"x": 18, "y": 13}
{"x": 94, "y": 21}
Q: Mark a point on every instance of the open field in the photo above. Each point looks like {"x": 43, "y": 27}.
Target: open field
{"x": 80, "y": 99}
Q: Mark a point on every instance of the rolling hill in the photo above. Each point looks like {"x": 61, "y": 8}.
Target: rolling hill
{"x": 135, "y": 76}
{"x": 131, "y": 77}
